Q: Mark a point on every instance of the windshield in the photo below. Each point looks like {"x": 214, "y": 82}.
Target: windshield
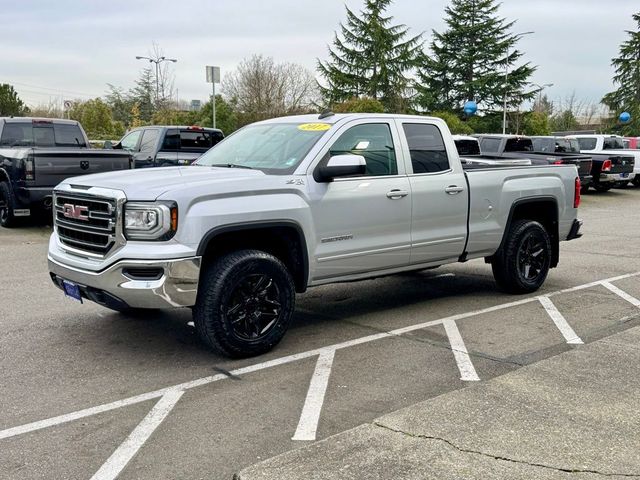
{"x": 274, "y": 148}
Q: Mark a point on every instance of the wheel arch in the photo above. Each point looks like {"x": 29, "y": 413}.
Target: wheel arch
{"x": 542, "y": 209}
{"x": 282, "y": 238}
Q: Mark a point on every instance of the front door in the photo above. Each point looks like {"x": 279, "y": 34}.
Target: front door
{"x": 363, "y": 223}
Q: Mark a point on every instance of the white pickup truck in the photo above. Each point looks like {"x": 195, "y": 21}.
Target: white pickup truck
{"x": 611, "y": 144}
{"x": 295, "y": 202}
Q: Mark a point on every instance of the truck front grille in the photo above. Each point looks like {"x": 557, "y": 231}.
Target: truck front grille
{"x": 86, "y": 223}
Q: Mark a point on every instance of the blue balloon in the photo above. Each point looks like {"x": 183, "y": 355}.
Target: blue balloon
{"x": 470, "y": 107}
{"x": 625, "y": 117}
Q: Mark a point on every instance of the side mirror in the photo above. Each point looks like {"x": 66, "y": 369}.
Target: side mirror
{"x": 107, "y": 145}
{"x": 340, "y": 166}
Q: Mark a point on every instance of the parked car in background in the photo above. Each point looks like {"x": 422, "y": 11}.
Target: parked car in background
{"x": 607, "y": 169}
{"x": 469, "y": 151}
{"x": 36, "y": 154}
{"x": 168, "y": 146}
{"x": 521, "y": 146}
{"x": 632, "y": 143}
{"x": 294, "y": 202}
{"x": 611, "y": 144}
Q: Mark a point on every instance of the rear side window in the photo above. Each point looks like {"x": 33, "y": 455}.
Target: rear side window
{"x": 587, "y": 143}
{"x": 198, "y": 140}
{"x": 490, "y": 145}
{"x": 426, "y": 146}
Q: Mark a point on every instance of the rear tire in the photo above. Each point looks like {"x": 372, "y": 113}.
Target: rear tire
{"x": 602, "y": 187}
{"x": 245, "y": 303}
{"x": 636, "y": 180}
{"x": 523, "y": 263}
{"x": 7, "y": 205}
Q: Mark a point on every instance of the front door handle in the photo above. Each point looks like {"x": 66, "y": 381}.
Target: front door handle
{"x": 397, "y": 194}
{"x": 453, "y": 189}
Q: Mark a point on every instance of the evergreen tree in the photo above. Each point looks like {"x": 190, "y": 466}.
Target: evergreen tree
{"x": 10, "y": 103}
{"x": 468, "y": 61}
{"x": 627, "y": 78}
{"x": 371, "y": 58}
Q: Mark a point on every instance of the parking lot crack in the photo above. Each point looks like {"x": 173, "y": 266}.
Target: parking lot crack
{"x": 502, "y": 458}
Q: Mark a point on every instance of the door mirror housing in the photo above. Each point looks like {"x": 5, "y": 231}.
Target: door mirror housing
{"x": 340, "y": 166}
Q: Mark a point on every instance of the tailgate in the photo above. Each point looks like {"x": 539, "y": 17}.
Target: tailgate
{"x": 52, "y": 166}
{"x": 621, "y": 163}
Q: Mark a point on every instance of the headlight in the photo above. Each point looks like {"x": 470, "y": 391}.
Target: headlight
{"x": 150, "y": 221}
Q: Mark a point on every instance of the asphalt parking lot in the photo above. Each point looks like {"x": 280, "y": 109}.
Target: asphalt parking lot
{"x": 88, "y": 393}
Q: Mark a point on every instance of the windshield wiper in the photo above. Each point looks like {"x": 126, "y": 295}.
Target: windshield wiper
{"x": 231, "y": 165}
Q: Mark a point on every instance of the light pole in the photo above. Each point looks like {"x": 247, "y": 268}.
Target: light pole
{"x": 506, "y": 83}
{"x": 540, "y": 89}
{"x": 157, "y": 61}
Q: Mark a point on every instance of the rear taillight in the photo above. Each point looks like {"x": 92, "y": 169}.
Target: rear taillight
{"x": 558, "y": 162}
{"x": 606, "y": 166}
{"x": 576, "y": 193}
{"x": 29, "y": 172}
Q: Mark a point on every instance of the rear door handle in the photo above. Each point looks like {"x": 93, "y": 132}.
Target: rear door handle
{"x": 453, "y": 189}
{"x": 397, "y": 194}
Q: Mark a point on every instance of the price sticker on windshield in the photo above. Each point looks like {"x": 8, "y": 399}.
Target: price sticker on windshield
{"x": 314, "y": 127}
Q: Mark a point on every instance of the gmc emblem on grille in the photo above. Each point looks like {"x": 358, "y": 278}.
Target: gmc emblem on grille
{"x": 77, "y": 212}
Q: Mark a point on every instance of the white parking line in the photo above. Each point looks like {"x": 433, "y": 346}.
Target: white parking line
{"x": 622, "y": 294}
{"x": 310, "y": 415}
{"x": 467, "y": 370}
{"x": 561, "y": 322}
{"x": 127, "y": 450}
{"x": 33, "y": 426}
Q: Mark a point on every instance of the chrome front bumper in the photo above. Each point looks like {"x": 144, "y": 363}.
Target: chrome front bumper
{"x": 176, "y": 284}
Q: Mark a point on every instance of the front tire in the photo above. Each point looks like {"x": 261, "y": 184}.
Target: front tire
{"x": 523, "y": 263}
{"x": 245, "y": 303}
{"x": 7, "y": 205}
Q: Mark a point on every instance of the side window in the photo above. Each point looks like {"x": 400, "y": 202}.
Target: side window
{"x": 489, "y": 145}
{"x": 426, "y": 146}
{"x": 373, "y": 141}
{"x": 19, "y": 134}
{"x": 171, "y": 140}
{"x": 149, "y": 140}
{"x": 195, "y": 139}
{"x": 130, "y": 141}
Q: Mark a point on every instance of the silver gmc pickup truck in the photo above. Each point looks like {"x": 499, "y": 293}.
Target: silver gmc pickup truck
{"x": 295, "y": 202}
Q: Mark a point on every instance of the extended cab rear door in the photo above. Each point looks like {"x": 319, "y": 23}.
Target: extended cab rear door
{"x": 439, "y": 192}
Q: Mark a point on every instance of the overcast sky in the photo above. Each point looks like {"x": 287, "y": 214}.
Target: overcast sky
{"x": 72, "y": 49}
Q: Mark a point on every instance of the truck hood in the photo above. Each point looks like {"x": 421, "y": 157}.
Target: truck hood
{"x": 150, "y": 183}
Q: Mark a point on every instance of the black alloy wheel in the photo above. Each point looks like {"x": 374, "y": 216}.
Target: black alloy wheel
{"x": 253, "y": 307}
